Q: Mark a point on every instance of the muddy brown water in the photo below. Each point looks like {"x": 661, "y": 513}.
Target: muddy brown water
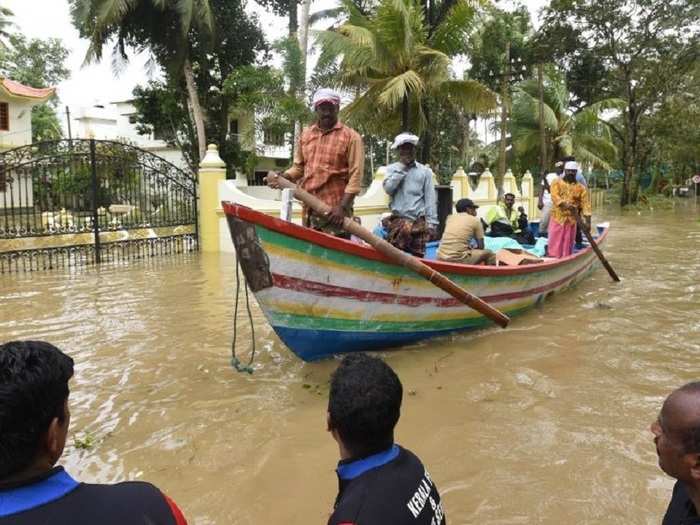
{"x": 545, "y": 422}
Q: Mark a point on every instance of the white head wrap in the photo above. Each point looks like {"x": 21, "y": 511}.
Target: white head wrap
{"x": 325, "y": 95}
{"x": 404, "y": 138}
{"x": 571, "y": 165}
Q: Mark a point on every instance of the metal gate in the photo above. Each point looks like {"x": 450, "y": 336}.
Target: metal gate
{"x": 83, "y": 202}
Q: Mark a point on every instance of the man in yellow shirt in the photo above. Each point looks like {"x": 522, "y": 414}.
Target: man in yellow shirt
{"x": 568, "y": 199}
{"x": 460, "y": 229}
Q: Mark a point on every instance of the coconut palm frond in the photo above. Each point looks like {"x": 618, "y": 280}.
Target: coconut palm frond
{"x": 586, "y": 156}
{"x": 454, "y": 32}
{"x": 408, "y": 83}
{"x": 469, "y": 95}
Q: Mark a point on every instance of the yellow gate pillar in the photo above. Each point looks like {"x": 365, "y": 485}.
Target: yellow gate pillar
{"x": 212, "y": 170}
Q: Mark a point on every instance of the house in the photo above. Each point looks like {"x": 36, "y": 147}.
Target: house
{"x": 16, "y": 103}
{"x": 271, "y": 148}
{"x": 117, "y": 121}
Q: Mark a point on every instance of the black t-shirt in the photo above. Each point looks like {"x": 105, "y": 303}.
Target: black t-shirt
{"x": 681, "y": 510}
{"x": 390, "y": 488}
{"x": 56, "y": 499}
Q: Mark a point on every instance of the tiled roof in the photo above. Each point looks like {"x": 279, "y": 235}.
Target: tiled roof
{"x": 16, "y": 89}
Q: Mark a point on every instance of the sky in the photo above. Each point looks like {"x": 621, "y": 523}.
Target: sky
{"x": 97, "y": 83}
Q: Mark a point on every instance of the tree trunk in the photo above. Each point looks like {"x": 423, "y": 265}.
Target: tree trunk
{"x": 504, "y": 122}
{"x": 197, "y": 112}
{"x": 304, "y": 46}
{"x": 404, "y": 113}
{"x": 293, "y": 19}
{"x": 427, "y": 141}
{"x": 543, "y": 132}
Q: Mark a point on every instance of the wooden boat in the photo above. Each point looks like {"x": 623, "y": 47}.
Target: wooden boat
{"x": 324, "y": 295}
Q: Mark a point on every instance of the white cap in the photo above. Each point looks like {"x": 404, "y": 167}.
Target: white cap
{"x": 325, "y": 95}
{"x": 571, "y": 165}
{"x": 404, "y": 138}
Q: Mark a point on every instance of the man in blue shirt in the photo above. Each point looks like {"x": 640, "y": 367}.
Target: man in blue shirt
{"x": 413, "y": 202}
{"x": 380, "y": 482}
{"x": 34, "y": 420}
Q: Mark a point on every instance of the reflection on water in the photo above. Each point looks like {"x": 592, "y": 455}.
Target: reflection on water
{"x": 545, "y": 422}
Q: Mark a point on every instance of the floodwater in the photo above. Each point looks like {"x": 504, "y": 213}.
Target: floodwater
{"x": 545, "y": 422}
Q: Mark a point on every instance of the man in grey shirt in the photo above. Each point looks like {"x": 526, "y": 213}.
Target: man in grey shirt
{"x": 413, "y": 202}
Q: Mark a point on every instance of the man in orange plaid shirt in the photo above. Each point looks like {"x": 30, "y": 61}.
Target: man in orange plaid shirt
{"x": 329, "y": 162}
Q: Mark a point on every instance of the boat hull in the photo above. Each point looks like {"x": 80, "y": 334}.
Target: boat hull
{"x": 325, "y": 295}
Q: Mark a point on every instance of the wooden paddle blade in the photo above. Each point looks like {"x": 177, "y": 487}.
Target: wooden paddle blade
{"x": 594, "y": 245}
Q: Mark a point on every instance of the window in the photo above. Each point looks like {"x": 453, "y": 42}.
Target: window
{"x": 233, "y": 130}
{"x": 4, "y": 117}
{"x": 132, "y": 119}
{"x": 273, "y": 138}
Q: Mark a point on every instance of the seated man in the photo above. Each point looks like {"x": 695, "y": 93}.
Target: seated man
{"x": 380, "y": 483}
{"x": 413, "y": 202}
{"x": 507, "y": 222}
{"x": 34, "y": 419}
{"x": 461, "y": 229}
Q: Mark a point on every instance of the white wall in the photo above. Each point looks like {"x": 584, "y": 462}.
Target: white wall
{"x": 20, "y": 132}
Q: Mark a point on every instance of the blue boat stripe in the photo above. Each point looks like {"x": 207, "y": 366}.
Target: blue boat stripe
{"x": 13, "y": 501}
{"x": 359, "y": 467}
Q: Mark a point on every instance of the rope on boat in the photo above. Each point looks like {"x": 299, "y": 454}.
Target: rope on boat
{"x": 235, "y": 362}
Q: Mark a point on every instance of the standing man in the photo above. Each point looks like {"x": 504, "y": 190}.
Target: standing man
{"x": 380, "y": 482}
{"x": 34, "y": 420}
{"x": 568, "y": 199}
{"x": 461, "y": 229}
{"x": 677, "y": 438}
{"x": 329, "y": 162}
{"x": 544, "y": 203}
{"x": 413, "y": 202}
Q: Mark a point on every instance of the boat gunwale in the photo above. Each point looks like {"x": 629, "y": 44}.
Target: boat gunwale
{"x": 368, "y": 252}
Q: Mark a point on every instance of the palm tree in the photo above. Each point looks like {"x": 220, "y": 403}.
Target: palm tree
{"x": 5, "y": 25}
{"x": 579, "y": 132}
{"x": 161, "y": 27}
{"x": 399, "y": 68}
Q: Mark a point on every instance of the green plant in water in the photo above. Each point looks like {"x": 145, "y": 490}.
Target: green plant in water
{"x": 85, "y": 442}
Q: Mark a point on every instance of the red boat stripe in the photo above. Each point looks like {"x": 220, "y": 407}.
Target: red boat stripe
{"x": 328, "y": 290}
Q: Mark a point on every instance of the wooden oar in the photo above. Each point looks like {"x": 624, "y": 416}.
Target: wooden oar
{"x": 597, "y": 251}
{"x": 400, "y": 257}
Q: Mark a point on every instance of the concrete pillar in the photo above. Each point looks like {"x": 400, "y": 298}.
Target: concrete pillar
{"x": 460, "y": 185}
{"x": 527, "y": 186}
{"x": 487, "y": 180}
{"x": 212, "y": 170}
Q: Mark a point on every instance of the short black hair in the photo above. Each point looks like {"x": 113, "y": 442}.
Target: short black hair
{"x": 34, "y": 379}
{"x": 463, "y": 205}
{"x": 364, "y": 404}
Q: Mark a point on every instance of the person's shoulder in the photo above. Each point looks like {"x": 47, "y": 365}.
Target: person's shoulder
{"x": 394, "y": 167}
{"x": 351, "y": 132}
{"x": 551, "y": 177}
{"x": 136, "y": 490}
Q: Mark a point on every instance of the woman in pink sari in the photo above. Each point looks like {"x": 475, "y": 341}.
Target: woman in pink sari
{"x": 568, "y": 197}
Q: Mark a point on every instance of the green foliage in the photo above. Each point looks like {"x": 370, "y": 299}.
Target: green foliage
{"x": 489, "y": 45}
{"x": 394, "y": 61}
{"x": 158, "y": 27}
{"x": 578, "y": 132}
{"x": 35, "y": 62}
{"x": 5, "y": 25}
{"x": 45, "y": 124}
{"x": 641, "y": 50}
